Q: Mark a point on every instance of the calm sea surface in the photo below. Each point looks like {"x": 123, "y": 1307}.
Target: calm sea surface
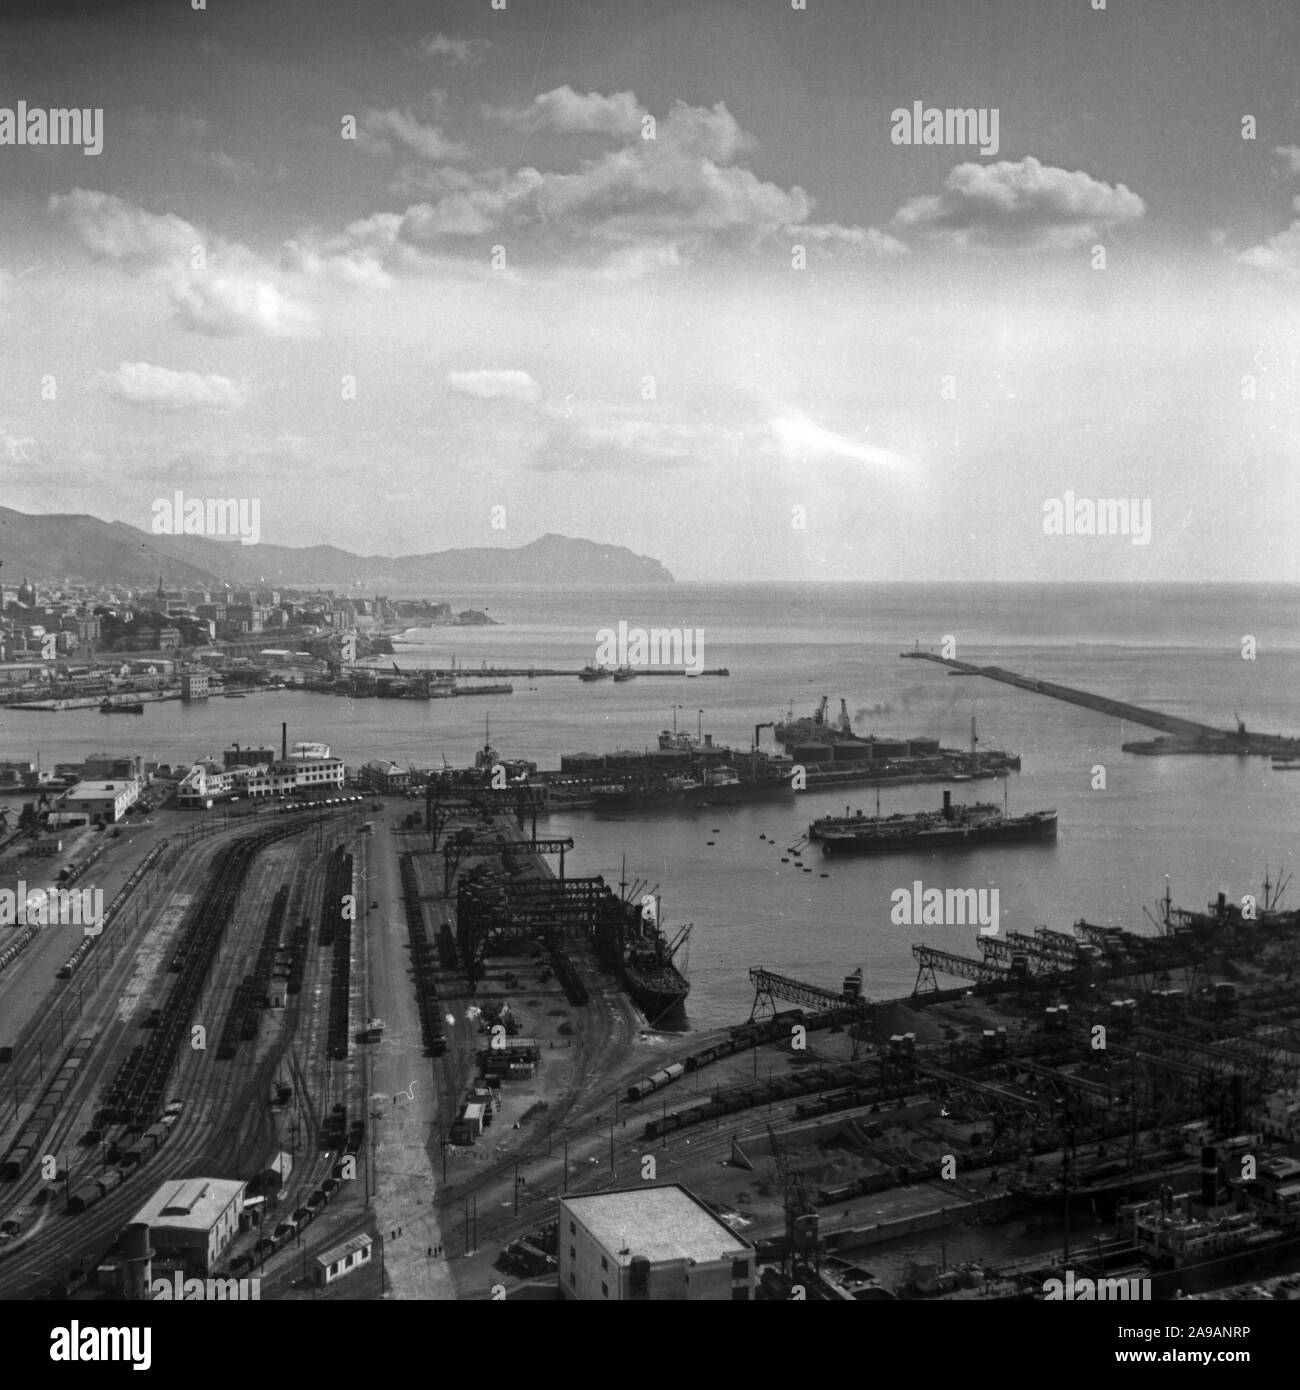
{"x": 1206, "y": 823}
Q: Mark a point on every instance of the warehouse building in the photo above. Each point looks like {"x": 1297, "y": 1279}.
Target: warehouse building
{"x": 102, "y": 801}
{"x": 342, "y": 1259}
{"x": 193, "y": 1219}
{"x": 650, "y": 1243}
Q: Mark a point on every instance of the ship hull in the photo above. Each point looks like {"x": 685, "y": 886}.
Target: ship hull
{"x": 660, "y": 995}
{"x": 1037, "y": 831}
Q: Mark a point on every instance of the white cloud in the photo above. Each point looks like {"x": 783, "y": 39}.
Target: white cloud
{"x": 355, "y": 267}
{"x": 227, "y": 306}
{"x": 458, "y": 52}
{"x": 647, "y": 206}
{"x": 117, "y": 230}
{"x": 1280, "y": 254}
{"x": 216, "y": 287}
{"x": 1290, "y": 156}
{"x": 140, "y": 384}
{"x": 1025, "y": 204}
{"x": 378, "y": 129}
{"x": 857, "y": 238}
{"x": 495, "y": 385}
{"x": 570, "y": 113}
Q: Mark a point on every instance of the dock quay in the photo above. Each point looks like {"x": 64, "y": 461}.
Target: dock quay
{"x": 939, "y": 1137}
{"x": 1182, "y": 735}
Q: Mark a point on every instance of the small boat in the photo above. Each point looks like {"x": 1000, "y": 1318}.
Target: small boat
{"x": 1286, "y": 764}
{"x": 624, "y": 673}
{"x": 594, "y": 673}
{"x": 132, "y": 707}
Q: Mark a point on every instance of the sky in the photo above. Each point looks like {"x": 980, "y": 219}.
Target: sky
{"x": 666, "y": 275}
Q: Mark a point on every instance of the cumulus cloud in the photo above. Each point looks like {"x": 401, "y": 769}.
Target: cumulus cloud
{"x": 458, "y": 52}
{"x": 226, "y": 306}
{"x": 570, "y": 113}
{"x": 865, "y": 239}
{"x": 159, "y": 388}
{"x": 380, "y": 130}
{"x": 1019, "y": 204}
{"x": 487, "y": 385}
{"x": 1280, "y": 254}
{"x": 216, "y": 287}
{"x": 646, "y": 206}
{"x": 116, "y": 230}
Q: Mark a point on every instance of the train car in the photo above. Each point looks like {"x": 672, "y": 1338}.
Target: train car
{"x": 15, "y": 1163}
{"x": 84, "y": 1196}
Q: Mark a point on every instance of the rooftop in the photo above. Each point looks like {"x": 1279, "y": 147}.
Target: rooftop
{"x": 341, "y": 1252}
{"x": 98, "y": 789}
{"x": 661, "y": 1223}
{"x": 195, "y": 1203}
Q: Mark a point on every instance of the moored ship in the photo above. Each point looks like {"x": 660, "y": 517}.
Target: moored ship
{"x": 633, "y": 945}
{"x": 953, "y": 826}
{"x": 121, "y": 707}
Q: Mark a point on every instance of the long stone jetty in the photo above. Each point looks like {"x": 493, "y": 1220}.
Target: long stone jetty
{"x": 1182, "y": 735}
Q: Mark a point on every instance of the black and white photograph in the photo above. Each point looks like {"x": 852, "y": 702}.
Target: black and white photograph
{"x": 648, "y": 652}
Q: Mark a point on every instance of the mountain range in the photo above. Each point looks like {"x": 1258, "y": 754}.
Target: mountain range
{"x": 84, "y": 549}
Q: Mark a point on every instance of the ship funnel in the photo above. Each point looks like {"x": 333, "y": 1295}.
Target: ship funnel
{"x": 947, "y": 805}
{"x": 284, "y": 743}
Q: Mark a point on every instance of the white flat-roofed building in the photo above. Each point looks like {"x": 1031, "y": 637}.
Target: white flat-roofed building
{"x": 650, "y": 1243}
{"x": 193, "y": 1219}
{"x": 107, "y": 801}
{"x": 342, "y": 1259}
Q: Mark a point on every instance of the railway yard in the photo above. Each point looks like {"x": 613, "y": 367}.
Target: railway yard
{"x": 390, "y": 1019}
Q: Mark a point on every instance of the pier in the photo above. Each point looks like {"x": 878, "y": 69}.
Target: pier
{"x": 1181, "y": 735}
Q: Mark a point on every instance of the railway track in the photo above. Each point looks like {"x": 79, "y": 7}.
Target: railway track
{"x": 212, "y": 1093}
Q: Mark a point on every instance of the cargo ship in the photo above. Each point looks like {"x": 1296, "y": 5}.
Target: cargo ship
{"x": 833, "y": 746}
{"x": 633, "y": 945}
{"x": 953, "y": 826}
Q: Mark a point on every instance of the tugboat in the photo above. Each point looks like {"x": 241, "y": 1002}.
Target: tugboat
{"x": 124, "y": 707}
{"x": 624, "y": 673}
{"x": 594, "y": 673}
